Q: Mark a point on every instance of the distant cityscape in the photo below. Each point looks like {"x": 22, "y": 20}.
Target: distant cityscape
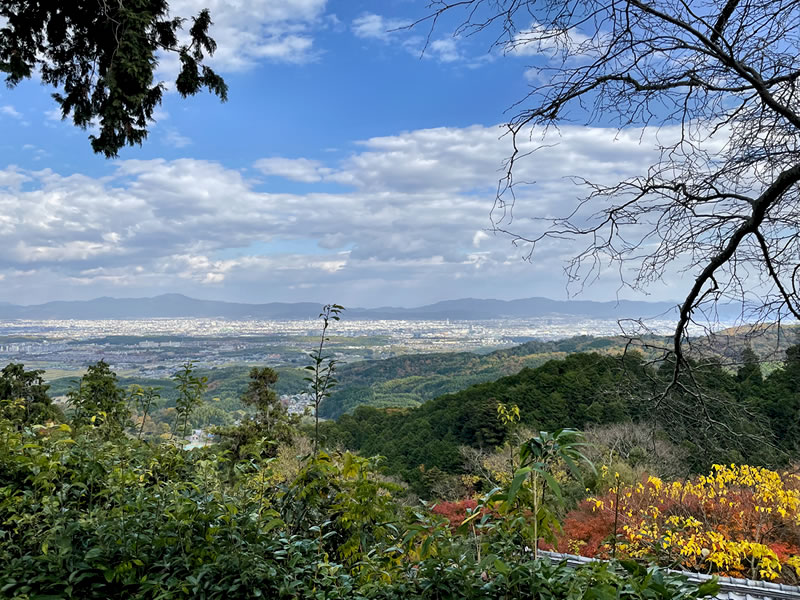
{"x": 156, "y": 347}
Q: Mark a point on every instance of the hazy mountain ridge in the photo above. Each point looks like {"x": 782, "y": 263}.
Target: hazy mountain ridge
{"x": 180, "y": 306}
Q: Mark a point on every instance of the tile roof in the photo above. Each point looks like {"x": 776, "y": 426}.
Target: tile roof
{"x": 731, "y": 588}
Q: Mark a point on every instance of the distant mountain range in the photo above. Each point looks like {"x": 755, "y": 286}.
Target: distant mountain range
{"x": 177, "y": 306}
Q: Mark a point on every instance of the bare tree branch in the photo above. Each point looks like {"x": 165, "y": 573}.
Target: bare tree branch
{"x": 715, "y": 83}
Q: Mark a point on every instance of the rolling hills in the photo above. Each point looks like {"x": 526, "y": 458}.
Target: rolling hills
{"x": 180, "y": 306}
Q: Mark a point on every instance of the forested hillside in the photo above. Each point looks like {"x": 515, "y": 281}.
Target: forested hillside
{"x": 755, "y": 419}
{"x": 407, "y": 381}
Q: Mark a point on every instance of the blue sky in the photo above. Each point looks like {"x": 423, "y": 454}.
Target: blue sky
{"x": 347, "y": 166}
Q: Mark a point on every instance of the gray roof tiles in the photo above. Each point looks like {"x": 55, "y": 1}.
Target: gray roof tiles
{"x": 731, "y": 588}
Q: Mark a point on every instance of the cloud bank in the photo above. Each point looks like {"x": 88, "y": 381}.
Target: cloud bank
{"x": 403, "y": 220}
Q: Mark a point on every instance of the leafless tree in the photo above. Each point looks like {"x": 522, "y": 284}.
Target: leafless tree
{"x": 635, "y": 444}
{"x": 721, "y": 202}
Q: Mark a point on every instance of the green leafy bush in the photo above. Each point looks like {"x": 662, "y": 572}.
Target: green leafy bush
{"x": 83, "y": 516}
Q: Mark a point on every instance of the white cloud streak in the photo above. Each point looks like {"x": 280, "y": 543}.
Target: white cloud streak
{"x": 375, "y": 27}
{"x": 9, "y": 111}
{"x": 176, "y": 140}
{"x": 372, "y": 26}
{"x": 296, "y": 169}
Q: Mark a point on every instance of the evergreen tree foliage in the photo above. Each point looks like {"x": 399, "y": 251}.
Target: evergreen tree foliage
{"x": 579, "y": 391}
{"x": 261, "y": 396}
{"x": 102, "y": 58}
{"x": 779, "y": 402}
{"x": 98, "y": 401}
{"x": 23, "y": 397}
{"x": 749, "y": 372}
{"x": 258, "y": 435}
{"x": 190, "y": 389}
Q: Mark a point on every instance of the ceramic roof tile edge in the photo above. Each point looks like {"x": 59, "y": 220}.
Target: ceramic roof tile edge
{"x": 764, "y": 590}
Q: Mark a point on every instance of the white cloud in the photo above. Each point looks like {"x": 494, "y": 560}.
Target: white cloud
{"x": 445, "y": 50}
{"x": 479, "y": 237}
{"x": 68, "y": 251}
{"x": 176, "y": 140}
{"x": 539, "y": 41}
{"x": 296, "y": 169}
{"x": 159, "y": 114}
{"x": 372, "y": 26}
{"x": 12, "y": 178}
{"x": 10, "y": 111}
{"x": 250, "y": 32}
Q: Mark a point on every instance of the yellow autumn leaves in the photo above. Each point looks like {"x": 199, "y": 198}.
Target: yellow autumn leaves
{"x": 739, "y": 520}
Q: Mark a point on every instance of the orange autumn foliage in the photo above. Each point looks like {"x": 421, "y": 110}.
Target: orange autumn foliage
{"x": 455, "y": 512}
